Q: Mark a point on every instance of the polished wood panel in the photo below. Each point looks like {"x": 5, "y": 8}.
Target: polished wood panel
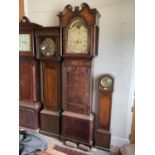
{"x": 103, "y": 138}
{"x": 28, "y": 86}
{"x": 105, "y": 111}
{"x": 50, "y": 123}
{"x": 74, "y": 126}
{"x": 25, "y": 82}
{"x": 28, "y": 115}
{"x": 77, "y": 86}
{"x": 51, "y": 79}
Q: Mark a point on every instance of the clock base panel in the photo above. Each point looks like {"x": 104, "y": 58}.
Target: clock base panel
{"x": 78, "y": 128}
{"x": 29, "y": 115}
{"x": 102, "y": 139}
{"x": 50, "y": 123}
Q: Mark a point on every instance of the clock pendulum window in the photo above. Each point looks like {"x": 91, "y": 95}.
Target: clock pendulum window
{"x": 79, "y": 39}
{"x": 48, "y": 53}
{"x": 29, "y": 96}
{"x": 102, "y": 133}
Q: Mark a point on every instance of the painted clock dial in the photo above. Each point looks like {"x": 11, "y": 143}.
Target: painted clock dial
{"x": 48, "y": 47}
{"x": 77, "y": 38}
{"x": 25, "y": 42}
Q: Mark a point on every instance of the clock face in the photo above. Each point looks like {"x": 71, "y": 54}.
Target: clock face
{"x": 48, "y": 47}
{"x": 106, "y": 82}
{"x": 25, "y": 42}
{"x": 77, "y": 38}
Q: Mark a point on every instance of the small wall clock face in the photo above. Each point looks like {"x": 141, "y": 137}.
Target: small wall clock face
{"x": 48, "y": 47}
{"x": 77, "y": 38}
{"x": 25, "y": 42}
{"x": 106, "y": 82}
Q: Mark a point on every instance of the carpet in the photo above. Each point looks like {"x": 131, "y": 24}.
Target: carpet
{"x": 69, "y": 151}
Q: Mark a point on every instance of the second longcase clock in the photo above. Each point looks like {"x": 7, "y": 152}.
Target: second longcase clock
{"x": 48, "y": 52}
{"x": 29, "y": 96}
{"x": 79, "y": 29}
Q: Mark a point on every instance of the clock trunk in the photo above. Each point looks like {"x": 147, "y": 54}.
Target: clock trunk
{"x": 77, "y": 118}
{"x": 77, "y": 86}
{"x": 50, "y": 115}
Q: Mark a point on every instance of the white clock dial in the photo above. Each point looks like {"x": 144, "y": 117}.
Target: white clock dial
{"x": 25, "y": 42}
{"x": 77, "y": 38}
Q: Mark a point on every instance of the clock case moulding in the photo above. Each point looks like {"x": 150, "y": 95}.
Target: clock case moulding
{"x": 77, "y": 75}
{"x": 102, "y": 131}
{"x": 29, "y": 77}
{"x": 50, "y": 81}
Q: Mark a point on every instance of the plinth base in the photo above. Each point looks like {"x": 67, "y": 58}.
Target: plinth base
{"x": 77, "y": 128}
{"x": 50, "y": 123}
{"x": 102, "y": 139}
{"x": 29, "y": 115}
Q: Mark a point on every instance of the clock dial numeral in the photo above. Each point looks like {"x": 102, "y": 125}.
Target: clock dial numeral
{"x": 48, "y": 47}
{"x": 25, "y": 42}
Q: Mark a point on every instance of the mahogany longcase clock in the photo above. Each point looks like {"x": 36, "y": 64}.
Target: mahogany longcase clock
{"x": 48, "y": 52}
{"x": 29, "y": 96}
{"x": 79, "y": 29}
{"x": 102, "y": 134}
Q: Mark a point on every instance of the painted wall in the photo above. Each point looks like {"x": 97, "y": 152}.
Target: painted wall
{"x": 116, "y": 51}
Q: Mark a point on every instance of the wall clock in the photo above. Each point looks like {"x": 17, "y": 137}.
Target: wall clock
{"x": 79, "y": 35}
{"x": 102, "y": 134}
{"x": 48, "y": 53}
{"x": 29, "y": 96}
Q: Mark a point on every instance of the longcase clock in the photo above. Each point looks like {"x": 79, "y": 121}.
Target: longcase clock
{"x": 79, "y": 36}
{"x": 102, "y": 134}
{"x": 29, "y": 96}
{"x": 48, "y": 52}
